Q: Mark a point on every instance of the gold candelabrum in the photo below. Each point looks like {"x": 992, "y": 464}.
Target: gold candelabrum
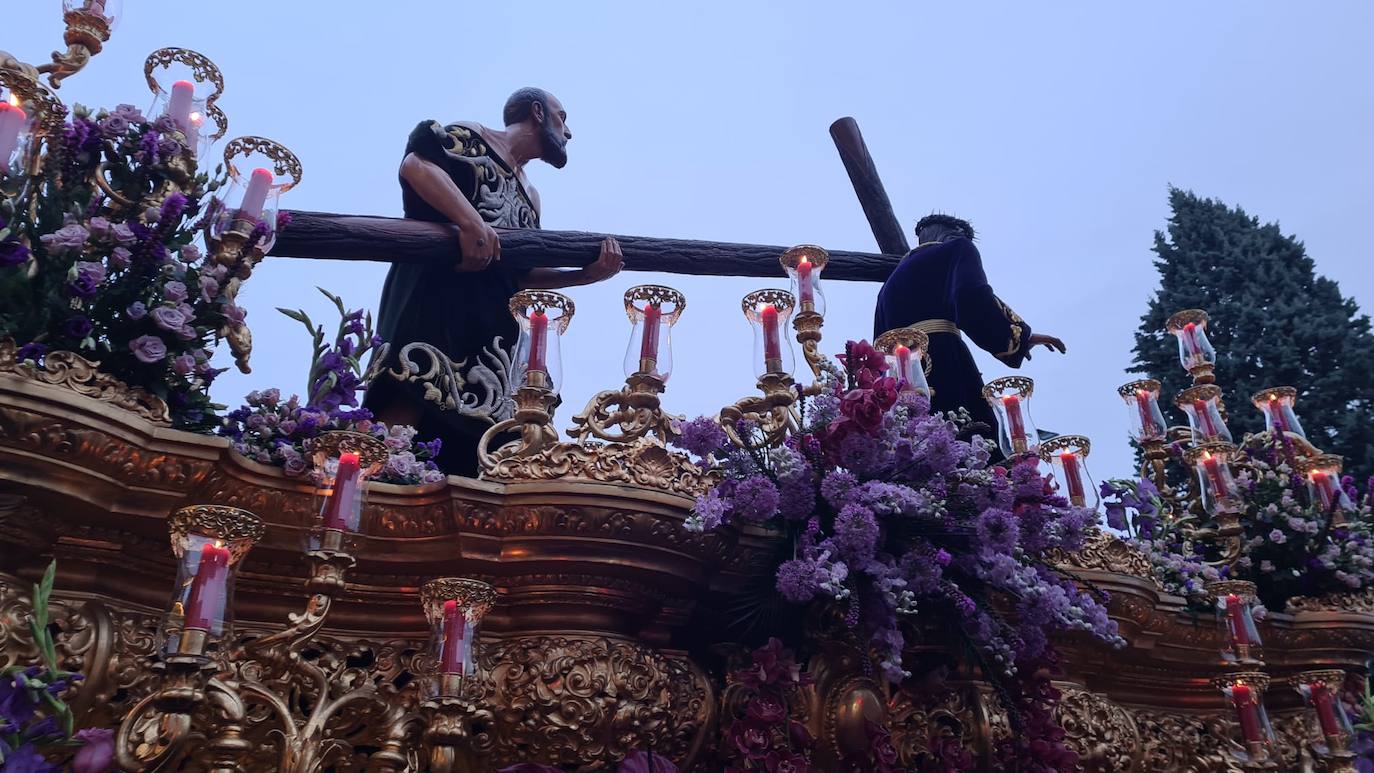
{"x": 1209, "y": 507}
{"x": 772, "y": 415}
{"x": 210, "y": 679}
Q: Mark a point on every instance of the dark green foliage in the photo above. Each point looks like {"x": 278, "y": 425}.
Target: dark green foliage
{"x": 1274, "y": 322}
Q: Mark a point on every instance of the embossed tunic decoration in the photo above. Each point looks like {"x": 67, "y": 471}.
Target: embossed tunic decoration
{"x": 462, "y": 314}
{"x": 941, "y": 288}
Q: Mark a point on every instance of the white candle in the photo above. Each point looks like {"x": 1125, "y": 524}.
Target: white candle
{"x": 256, "y": 196}
{"x": 12, "y": 119}
{"x": 179, "y": 106}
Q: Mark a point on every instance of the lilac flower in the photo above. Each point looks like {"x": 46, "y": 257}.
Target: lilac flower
{"x": 708, "y": 513}
{"x": 998, "y": 530}
{"x": 136, "y": 310}
{"x": 174, "y": 292}
{"x": 148, "y": 349}
{"x": 67, "y": 239}
{"x": 168, "y": 318}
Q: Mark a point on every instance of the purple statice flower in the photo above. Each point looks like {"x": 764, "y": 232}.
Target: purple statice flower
{"x": 77, "y": 326}
{"x": 754, "y": 499}
{"x": 13, "y": 253}
{"x": 31, "y": 351}
{"x": 856, "y": 533}
{"x": 700, "y": 437}
{"x": 70, "y": 238}
{"x": 174, "y": 292}
{"x": 168, "y": 318}
{"x": 148, "y": 349}
{"x": 998, "y": 530}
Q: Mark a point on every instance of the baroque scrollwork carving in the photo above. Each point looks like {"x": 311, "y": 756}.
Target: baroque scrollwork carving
{"x": 643, "y": 463}
{"x": 1104, "y": 552}
{"x": 1361, "y": 602}
{"x": 1103, "y": 733}
{"x": 480, "y": 389}
{"x": 69, "y": 370}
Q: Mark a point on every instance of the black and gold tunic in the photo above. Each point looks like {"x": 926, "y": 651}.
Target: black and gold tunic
{"x": 460, "y": 313}
{"x": 941, "y": 288}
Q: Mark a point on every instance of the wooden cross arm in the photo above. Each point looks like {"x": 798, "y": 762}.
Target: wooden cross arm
{"x": 398, "y": 240}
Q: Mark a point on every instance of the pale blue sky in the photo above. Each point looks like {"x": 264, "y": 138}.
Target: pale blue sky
{"x": 1054, "y": 127}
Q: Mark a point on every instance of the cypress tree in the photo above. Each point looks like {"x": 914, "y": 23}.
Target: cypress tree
{"x": 1274, "y": 322}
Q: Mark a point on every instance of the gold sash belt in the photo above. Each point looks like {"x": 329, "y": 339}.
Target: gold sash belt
{"x": 929, "y": 326}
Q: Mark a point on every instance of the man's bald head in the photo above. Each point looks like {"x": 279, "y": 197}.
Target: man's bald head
{"x": 546, "y": 114}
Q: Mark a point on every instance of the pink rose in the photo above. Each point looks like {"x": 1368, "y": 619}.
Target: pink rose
{"x": 862, "y": 407}
{"x": 148, "y": 349}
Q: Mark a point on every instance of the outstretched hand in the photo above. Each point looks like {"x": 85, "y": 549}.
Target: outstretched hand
{"x": 608, "y": 263}
{"x": 1047, "y": 341}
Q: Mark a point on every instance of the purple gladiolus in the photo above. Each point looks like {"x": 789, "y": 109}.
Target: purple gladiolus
{"x": 97, "y": 755}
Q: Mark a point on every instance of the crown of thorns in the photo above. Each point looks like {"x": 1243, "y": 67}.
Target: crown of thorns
{"x": 948, "y": 221}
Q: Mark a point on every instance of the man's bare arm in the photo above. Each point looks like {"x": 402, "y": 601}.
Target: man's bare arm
{"x": 479, "y": 242}
{"x": 607, "y": 265}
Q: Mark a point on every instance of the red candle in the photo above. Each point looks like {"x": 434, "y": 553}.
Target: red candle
{"x": 1248, "y": 710}
{"x": 343, "y": 500}
{"x": 1322, "y": 483}
{"x": 1016, "y": 427}
{"x": 539, "y": 329}
{"x": 1212, "y": 468}
{"x": 903, "y": 356}
{"x": 1205, "y": 425}
{"x": 1148, "y": 428}
{"x": 772, "y": 340}
{"x": 205, "y": 603}
{"x": 452, "y": 660}
{"x": 1325, "y": 704}
{"x": 648, "y": 345}
{"x": 179, "y": 106}
{"x": 806, "y": 292}
{"x": 255, "y": 197}
{"x": 1190, "y": 342}
{"x": 1276, "y": 414}
{"x": 12, "y": 119}
{"x": 1235, "y": 616}
{"x": 1073, "y": 477}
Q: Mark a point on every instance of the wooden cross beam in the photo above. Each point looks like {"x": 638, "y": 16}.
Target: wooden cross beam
{"x": 398, "y": 240}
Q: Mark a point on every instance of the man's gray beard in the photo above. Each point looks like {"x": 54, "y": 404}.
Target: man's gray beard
{"x": 553, "y": 148}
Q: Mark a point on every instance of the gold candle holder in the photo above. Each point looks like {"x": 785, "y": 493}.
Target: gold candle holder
{"x": 908, "y": 358}
{"x": 1068, "y": 455}
{"x": 1245, "y": 692}
{"x": 1321, "y": 690}
{"x": 455, "y": 722}
{"x": 1195, "y": 351}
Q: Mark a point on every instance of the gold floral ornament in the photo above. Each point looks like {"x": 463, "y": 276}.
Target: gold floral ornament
{"x": 242, "y": 225}
{"x": 772, "y": 414}
{"x": 634, "y": 411}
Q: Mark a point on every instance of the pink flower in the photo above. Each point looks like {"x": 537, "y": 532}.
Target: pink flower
{"x": 183, "y": 364}
{"x": 168, "y": 318}
{"x": 863, "y": 407}
{"x": 174, "y": 292}
{"x": 148, "y": 349}
{"x": 120, "y": 257}
{"x": 209, "y": 288}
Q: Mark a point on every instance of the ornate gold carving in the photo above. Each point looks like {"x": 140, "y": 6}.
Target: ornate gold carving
{"x": 1079, "y": 443}
{"x": 772, "y": 413}
{"x": 655, "y": 294}
{"x": 1355, "y": 601}
{"x": 542, "y": 300}
{"x": 1130, "y": 389}
{"x": 72, "y": 371}
{"x": 284, "y": 162}
{"x": 1106, "y": 553}
{"x": 1022, "y": 384}
{"x": 578, "y": 700}
{"x": 473, "y": 595}
{"x": 643, "y": 463}
{"x": 1103, "y": 733}
{"x": 1185, "y": 317}
{"x": 86, "y": 34}
{"x": 202, "y": 70}
{"x": 923, "y": 724}
{"x": 627, "y": 415}
{"x": 218, "y": 521}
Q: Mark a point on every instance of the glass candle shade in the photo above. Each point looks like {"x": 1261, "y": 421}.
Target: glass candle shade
{"x": 1234, "y": 601}
{"x": 1323, "y": 475}
{"x": 340, "y": 465}
{"x": 1067, "y": 455}
{"x": 1321, "y": 690}
{"x": 1010, "y": 400}
{"x": 1195, "y": 351}
{"x": 804, "y": 264}
{"x": 1276, "y": 403}
{"x": 209, "y": 543}
{"x": 906, "y": 358}
{"x": 1145, "y": 420}
{"x": 1244, "y": 693}
{"x": 1202, "y": 404}
{"x": 185, "y": 85}
{"x": 768, "y": 312}
{"x": 653, "y": 310}
{"x": 543, "y": 317}
{"x": 1212, "y": 462}
{"x": 16, "y": 124}
{"x": 260, "y": 171}
{"x": 454, "y": 607}
{"x": 107, "y": 11}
